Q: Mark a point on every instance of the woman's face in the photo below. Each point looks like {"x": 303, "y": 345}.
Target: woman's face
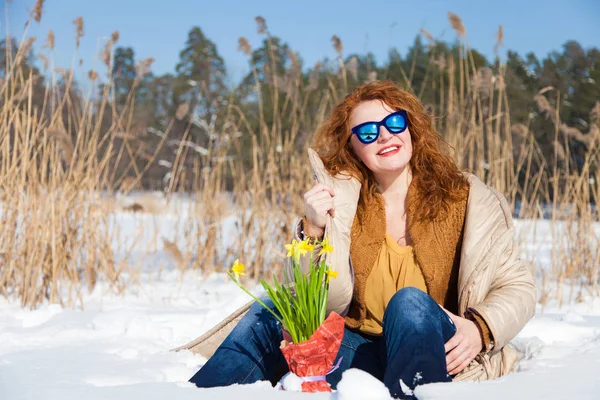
{"x": 390, "y": 152}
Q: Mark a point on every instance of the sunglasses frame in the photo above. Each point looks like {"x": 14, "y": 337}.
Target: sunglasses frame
{"x": 379, "y": 124}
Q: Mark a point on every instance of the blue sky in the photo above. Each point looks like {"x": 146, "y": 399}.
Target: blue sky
{"x": 159, "y": 28}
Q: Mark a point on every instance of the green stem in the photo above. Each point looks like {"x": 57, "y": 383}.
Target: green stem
{"x": 255, "y": 298}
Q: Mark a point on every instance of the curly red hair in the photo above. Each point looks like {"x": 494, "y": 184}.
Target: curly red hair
{"x": 434, "y": 172}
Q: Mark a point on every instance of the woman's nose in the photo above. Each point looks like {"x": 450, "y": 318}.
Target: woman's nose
{"x": 384, "y": 134}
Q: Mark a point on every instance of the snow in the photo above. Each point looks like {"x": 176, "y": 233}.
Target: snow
{"x": 118, "y": 347}
{"x": 357, "y": 384}
{"x": 291, "y": 382}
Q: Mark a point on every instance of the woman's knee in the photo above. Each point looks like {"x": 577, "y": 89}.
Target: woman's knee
{"x": 256, "y": 307}
{"x": 411, "y": 306}
{"x": 258, "y": 319}
{"x": 410, "y": 297}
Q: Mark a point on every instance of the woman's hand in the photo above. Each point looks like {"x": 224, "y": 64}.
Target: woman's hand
{"x": 318, "y": 202}
{"x": 463, "y": 346}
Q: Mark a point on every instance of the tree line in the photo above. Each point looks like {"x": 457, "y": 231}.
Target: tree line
{"x": 194, "y": 104}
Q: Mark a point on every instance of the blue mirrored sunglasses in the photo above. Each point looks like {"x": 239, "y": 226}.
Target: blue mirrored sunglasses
{"x": 395, "y": 123}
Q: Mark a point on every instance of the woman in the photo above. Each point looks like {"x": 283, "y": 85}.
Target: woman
{"x": 430, "y": 283}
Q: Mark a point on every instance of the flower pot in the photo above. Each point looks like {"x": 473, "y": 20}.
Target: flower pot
{"x": 313, "y": 359}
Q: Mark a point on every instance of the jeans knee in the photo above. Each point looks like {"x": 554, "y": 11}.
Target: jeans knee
{"x": 409, "y": 298}
{"x": 257, "y": 308}
{"x": 412, "y": 307}
{"x": 259, "y": 319}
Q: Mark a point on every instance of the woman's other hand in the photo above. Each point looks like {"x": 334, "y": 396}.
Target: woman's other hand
{"x": 318, "y": 202}
{"x": 463, "y": 346}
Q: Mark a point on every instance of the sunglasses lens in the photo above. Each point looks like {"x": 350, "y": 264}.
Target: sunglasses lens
{"x": 396, "y": 123}
{"x": 367, "y": 133}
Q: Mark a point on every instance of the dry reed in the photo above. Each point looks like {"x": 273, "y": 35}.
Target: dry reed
{"x": 57, "y": 236}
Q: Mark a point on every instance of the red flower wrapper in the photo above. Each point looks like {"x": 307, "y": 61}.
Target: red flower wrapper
{"x": 313, "y": 359}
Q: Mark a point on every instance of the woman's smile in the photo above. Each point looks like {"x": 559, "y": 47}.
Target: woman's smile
{"x": 389, "y": 151}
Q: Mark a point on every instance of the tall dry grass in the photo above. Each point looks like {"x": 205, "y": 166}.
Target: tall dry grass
{"x": 55, "y": 169}
{"x": 58, "y": 181}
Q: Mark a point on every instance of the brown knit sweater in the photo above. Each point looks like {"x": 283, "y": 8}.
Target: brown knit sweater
{"x": 436, "y": 245}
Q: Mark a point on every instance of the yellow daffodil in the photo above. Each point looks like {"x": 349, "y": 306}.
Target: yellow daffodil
{"x": 305, "y": 314}
{"x": 325, "y": 247}
{"x": 291, "y": 248}
{"x": 297, "y": 249}
{"x": 238, "y": 269}
{"x": 304, "y": 247}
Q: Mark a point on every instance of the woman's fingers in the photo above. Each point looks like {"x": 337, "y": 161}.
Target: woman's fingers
{"x": 324, "y": 202}
{"x": 456, "y": 350}
{"x": 462, "y": 366}
{"x": 459, "y": 363}
{"x": 318, "y": 201}
{"x": 319, "y": 187}
{"x": 454, "y": 354}
{"x": 462, "y": 347}
{"x": 323, "y": 206}
{"x": 458, "y": 356}
{"x": 319, "y": 196}
{"x": 453, "y": 342}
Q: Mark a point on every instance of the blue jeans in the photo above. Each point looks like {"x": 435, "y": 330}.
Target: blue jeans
{"x": 411, "y": 348}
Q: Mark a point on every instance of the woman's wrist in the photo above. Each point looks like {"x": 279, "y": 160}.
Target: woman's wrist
{"x": 484, "y": 330}
{"x": 315, "y": 234}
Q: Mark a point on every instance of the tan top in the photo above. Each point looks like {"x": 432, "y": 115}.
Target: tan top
{"x": 394, "y": 269}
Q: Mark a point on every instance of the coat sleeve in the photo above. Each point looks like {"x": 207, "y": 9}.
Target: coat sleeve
{"x": 347, "y": 192}
{"x": 511, "y": 300}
